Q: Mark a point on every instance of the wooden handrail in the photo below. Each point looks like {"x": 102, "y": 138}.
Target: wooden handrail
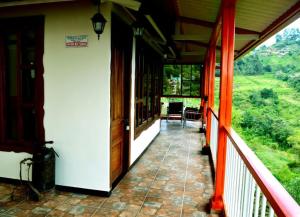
{"x": 215, "y": 113}
{"x": 281, "y": 201}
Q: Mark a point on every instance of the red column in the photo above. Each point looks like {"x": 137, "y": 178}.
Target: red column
{"x": 212, "y": 60}
{"x": 202, "y": 86}
{"x": 205, "y": 88}
{"x": 225, "y": 109}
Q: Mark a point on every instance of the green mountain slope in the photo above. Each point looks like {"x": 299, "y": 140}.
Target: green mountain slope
{"x": 282, "y": 59}
{"x": 266, "y": 106}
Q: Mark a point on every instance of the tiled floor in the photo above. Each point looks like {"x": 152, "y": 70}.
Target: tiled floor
{"x": 171, "y": 179}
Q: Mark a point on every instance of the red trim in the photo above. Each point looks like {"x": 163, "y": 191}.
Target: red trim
{"x": 281, "y": 201}
{"x": 227, "y": 58}
{"x": 214, "y": 113}
{"x": 275, "y": 27}
{"x": 211, "y": 89}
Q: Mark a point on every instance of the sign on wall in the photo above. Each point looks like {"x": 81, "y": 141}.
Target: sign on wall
{"x": 76, "y": 41}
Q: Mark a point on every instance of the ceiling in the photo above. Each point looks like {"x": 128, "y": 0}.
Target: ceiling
{"x": 183, "y": 28}
{"x": 191, "y": 23}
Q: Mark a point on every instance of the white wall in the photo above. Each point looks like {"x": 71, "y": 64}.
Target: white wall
{"x": 77, "y": 96}
{"x": 138, "y": 145}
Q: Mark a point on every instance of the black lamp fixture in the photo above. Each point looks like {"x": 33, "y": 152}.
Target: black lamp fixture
{"x": 98, "y": 21}
{"x": 138, "y": 29}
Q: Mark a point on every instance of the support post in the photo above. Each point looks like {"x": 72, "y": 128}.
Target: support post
{"x": 211, "y": 91}
{"x": 203, "y": 100}
{"x": 225, "y": 109}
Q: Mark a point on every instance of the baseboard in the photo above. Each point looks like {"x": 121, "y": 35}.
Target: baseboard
{"x": 83, "y": 191}
{"x": 11, "y": 181}
{"x": 136, "y": 160}
{"x": 62, "y": 188}
{"x": 207, "y": 151}
{"x": 212, "y": 167}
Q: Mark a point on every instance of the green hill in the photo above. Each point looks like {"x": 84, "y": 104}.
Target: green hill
{"x": 282, "y": 59}
{"x": 266, "y": 106}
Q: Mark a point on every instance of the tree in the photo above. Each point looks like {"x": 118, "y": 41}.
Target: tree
{"x": 278, "y": 38}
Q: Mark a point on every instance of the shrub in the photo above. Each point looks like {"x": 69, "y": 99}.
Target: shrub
{"x": 262, "y": 123}
{"x": 292, "y": 189}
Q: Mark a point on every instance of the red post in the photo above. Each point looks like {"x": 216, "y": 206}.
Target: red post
{"x": 211, "y": 91}
{"x": 225, "y": 109}
{"x": 203, "y": 83}
{"x": 205, "y": 89}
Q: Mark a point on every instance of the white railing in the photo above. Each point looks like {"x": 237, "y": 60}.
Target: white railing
{"x": 214, "y": 138}
{"x": 250, "y": 188}
{"x": 242, "y": 196}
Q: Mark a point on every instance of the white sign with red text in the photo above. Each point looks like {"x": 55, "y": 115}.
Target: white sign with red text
{"x": 76, "y": 41}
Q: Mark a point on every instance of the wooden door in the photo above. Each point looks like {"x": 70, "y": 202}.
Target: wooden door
{"x": 21, "y": 81}
{"x": 120, "y": 92}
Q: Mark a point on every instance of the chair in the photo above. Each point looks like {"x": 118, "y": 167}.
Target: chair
{"x": 175, "y": 111}
{"x": 192, "y": 114}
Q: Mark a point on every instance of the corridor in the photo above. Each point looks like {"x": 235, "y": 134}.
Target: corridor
{"x": 171, "y": 179}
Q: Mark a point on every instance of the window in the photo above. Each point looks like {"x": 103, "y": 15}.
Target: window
{"x": 147, "y": 86}
{"x": 181, "y": 80}
{"x": 21, "y": 84}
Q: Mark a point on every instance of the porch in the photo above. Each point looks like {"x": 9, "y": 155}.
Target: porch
{"x": 172, "y": 178}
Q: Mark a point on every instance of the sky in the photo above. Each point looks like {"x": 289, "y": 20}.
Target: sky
{"x": 270, "y": 41}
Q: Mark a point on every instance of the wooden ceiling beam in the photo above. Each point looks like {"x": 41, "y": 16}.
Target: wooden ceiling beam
{"x": 204, "y": 23}
{"x": 191, "y": 37}
{"x": 29, "y": 2}
{"x": 199, "y": 43}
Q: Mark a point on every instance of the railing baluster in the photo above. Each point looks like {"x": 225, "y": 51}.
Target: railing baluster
{"x": 263, "y": 206}
{"x": 232, "y": 176}
{"x": 271, "y": 212}
{"x": 252, "y": 183}
{"x": 245, "y": 192}
{"x": 236, "y": 168}
{"x": 228, "y": 176}
{"x": 238, "y": 186}
{"x": 257, "y": 200}
{"x": 227, "y": 188}
{"x": 245, "y": 176}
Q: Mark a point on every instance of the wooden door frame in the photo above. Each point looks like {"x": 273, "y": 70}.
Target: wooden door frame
{"x": 14, "y": 23}
{"x": 127, "y": 106}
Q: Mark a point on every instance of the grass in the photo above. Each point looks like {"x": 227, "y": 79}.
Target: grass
{"x": 275, "y": 159}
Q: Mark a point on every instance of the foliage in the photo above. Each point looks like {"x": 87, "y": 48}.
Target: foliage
{"x": 281, "y": 59}
{"x": 249, "y": 65}
{"x": 181, "y": 80}
{"x": 265, "y": 114}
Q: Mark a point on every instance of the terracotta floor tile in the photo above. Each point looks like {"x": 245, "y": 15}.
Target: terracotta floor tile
{"x": 171, "y": 179}
{"x": 106, "y": 213}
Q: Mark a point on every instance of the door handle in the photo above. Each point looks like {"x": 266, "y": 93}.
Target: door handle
{"x": 126, "y": 123}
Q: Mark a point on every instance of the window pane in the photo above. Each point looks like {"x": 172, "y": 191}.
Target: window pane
{"x": 11, "y": 87}
{"x": 172, "y": 80}
{"x": 196, "y": 72}
{"x": 195, "y": 88}
{"x": 150, "y": 93}
{"x": 145, "y": 117}
{"x": 28, "y": 47}
{"x": 186, "y": 72}
{"x": 29, "y": 120}
{"x": 186, "y": 88}
{"x": 28, "y": 84}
